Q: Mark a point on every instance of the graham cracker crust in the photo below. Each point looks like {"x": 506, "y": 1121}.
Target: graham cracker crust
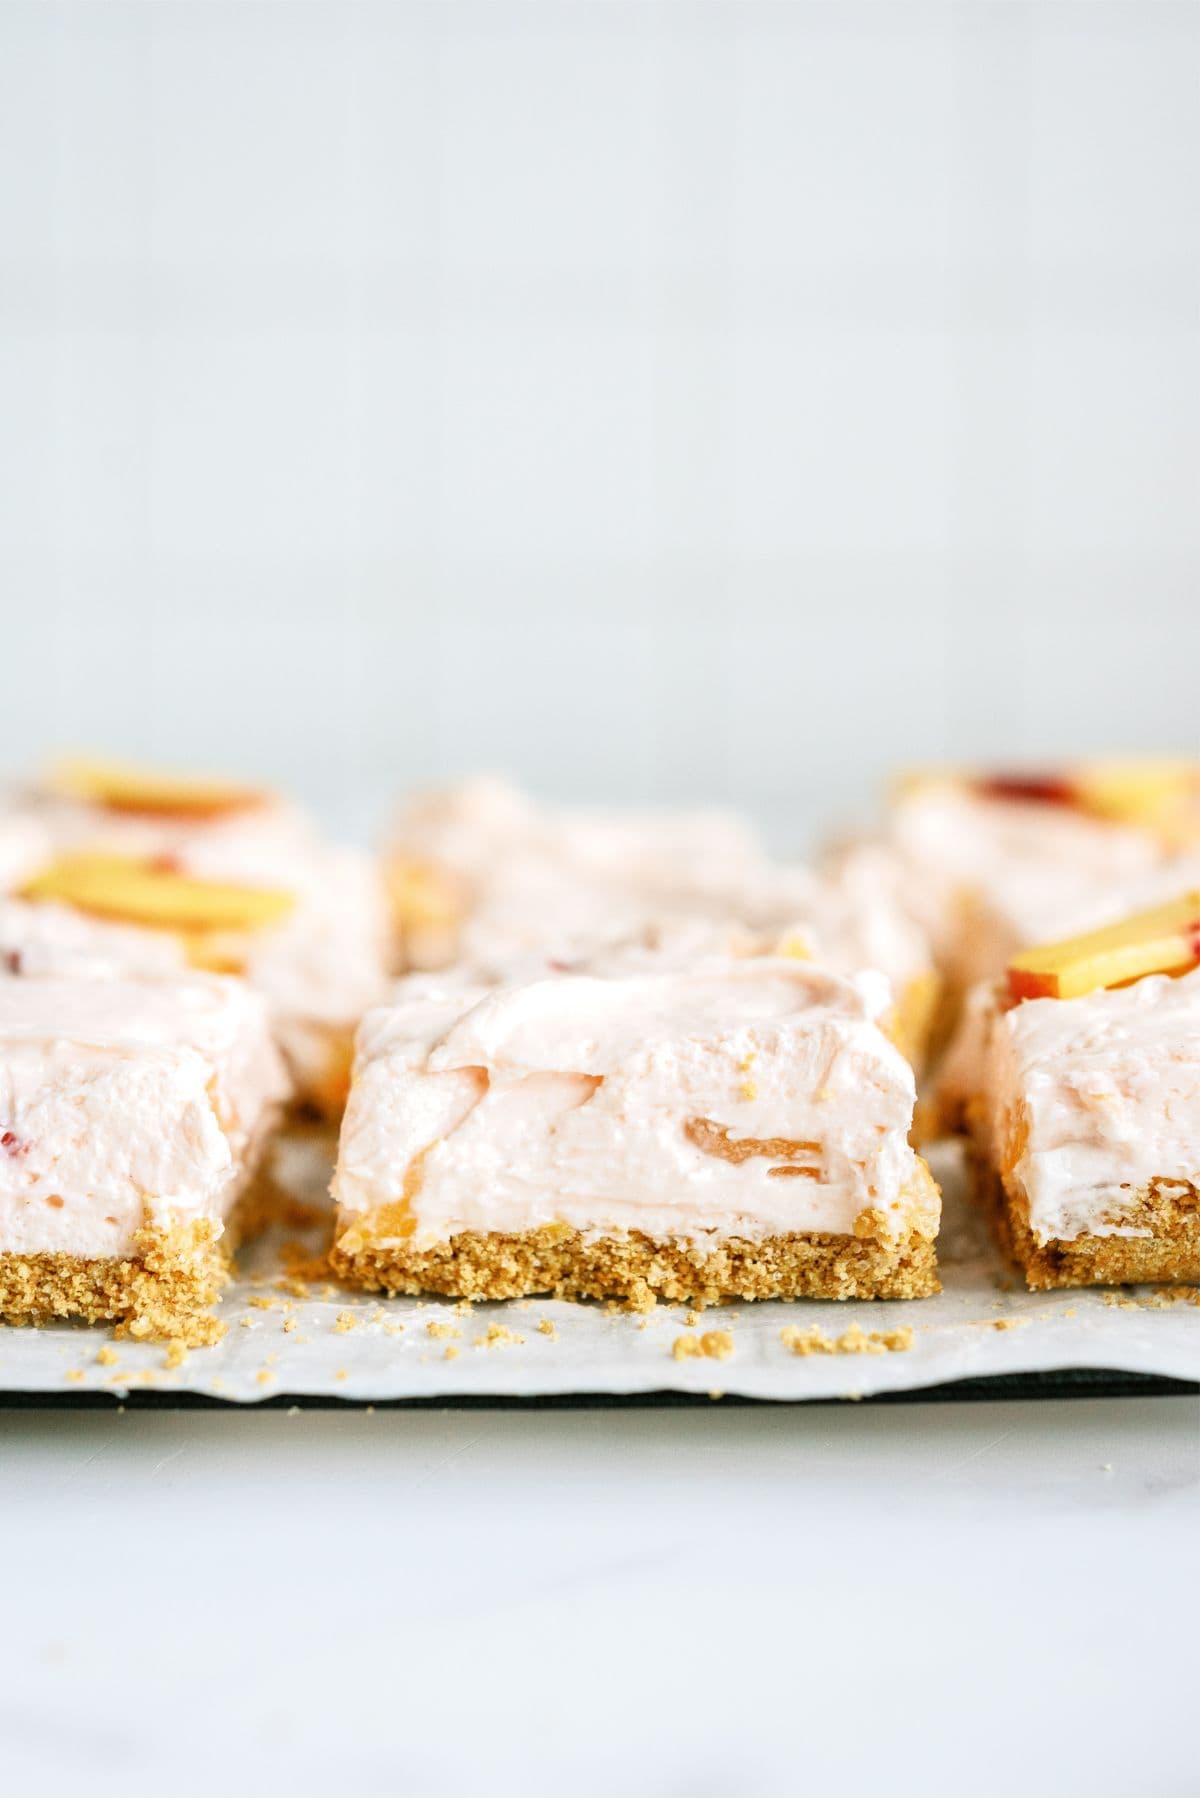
{"x": 637, "y": 1270}
{"x": 161, "y": 1294}
{"x": 1171, "y": 1208}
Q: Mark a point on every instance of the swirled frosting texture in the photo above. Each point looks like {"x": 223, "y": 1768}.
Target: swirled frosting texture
{"x": 1088, "y": 1101}
{"x": 748, "y": 1098}
{"x": 125, "y": 1102}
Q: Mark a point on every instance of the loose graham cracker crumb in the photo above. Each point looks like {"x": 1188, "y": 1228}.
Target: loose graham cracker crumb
{"x": 343, "y": 1322}
{"x": 107, "y": 1357}
{"x": 717, "y": 1345}
{"x": 546, "y": 1328}
{"x": 811, "y": 1340}
{"x": 497, "y": 1335}
{"x": 440, "y": 1330}
{"x": 451, "y": 1353}
{"x": 73, "y": 1373}
{"x": 176, "y": 1354}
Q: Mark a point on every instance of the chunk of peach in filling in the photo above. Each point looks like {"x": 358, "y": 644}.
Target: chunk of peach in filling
{"x": 794, "y": 1155}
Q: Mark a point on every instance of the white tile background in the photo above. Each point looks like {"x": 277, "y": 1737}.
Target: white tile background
{"x": 659, "y": 400}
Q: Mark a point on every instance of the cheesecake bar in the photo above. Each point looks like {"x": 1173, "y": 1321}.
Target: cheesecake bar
{"x": 241, "y": 883}
{"x": 988, "y": 862}
{"x": 736, "y": 1131}
{"x": 132, "y": 1115}
{"x": 481, "y": 872}
{"x": 482, "y": 876}
{"x": 1085, "y": 1122}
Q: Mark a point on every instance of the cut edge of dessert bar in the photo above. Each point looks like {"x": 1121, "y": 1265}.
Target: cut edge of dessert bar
{"x": 162, "y": 1292}
{"x": 199, "y": 1046}
{"x": 597, "y": 1242}
{"x": 639, "y": 1270}
{"x": 1145, "y": 1228}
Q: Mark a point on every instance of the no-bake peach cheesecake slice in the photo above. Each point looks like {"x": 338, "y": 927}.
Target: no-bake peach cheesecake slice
{"x": 739, "y": 1130}
{"x": 132, "y": 1115}
{"x": 480, "y": 871}
{"x": 989, "y": 861}
{"x": 1085, "y": 1125}
{"x": 239, "y": 879}
{"x": 482, "y": 877}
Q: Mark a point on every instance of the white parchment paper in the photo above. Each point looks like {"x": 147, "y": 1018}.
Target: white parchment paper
{"x": 345, "y": 1345}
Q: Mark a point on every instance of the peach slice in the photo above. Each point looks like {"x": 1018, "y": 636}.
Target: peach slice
{"x": 1142, "y": 790}
{"x": 1157, "y": 791}
{"x": 144, "y": 892}
{"x": 1165, "y": 940}
{"x": 121, "y": 787}
{"x": 1027, "y": 788}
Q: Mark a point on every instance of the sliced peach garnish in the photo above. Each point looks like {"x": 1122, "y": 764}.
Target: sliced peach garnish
{"x": 1165, "y": 940}
{"x": 1145, "y": 790}
{"x": 1027, "y": 789}
{"x": 1150, "y": 790}
{"x": 145, "y": 892}
{"x": 122, "y": 787}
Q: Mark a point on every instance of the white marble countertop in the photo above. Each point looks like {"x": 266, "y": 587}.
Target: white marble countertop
{"x": 925, "y": 1598}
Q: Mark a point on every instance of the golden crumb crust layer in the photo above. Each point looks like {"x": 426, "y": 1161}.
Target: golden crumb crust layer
{"x": 1170, "y": 1208}
{"x": 637, "y": 1270}
{"x": 162, "y": 1293}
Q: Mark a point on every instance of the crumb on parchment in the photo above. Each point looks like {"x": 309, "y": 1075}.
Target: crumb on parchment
{"x": 344, "y": 1322}
{"x": 106, "y": 1356}
{"x": 441, "y": 1330}
{"x": 176, "y": 1353}
{"x": 546, "y": 1327}
{"x": 496, "y": 1336}
{"x": 812, "y": 1340}
{"x": 716, "y": 1345}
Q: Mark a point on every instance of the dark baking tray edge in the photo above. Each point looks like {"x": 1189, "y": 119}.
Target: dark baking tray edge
{"x": 1077, "y": 1382}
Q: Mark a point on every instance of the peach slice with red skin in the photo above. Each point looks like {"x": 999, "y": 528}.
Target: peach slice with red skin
{"x": 147, "y": 792}
{"x": 1165, "y": 940}
{"x": 1149, "y": 790}
{"x": 129, "y": 891}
